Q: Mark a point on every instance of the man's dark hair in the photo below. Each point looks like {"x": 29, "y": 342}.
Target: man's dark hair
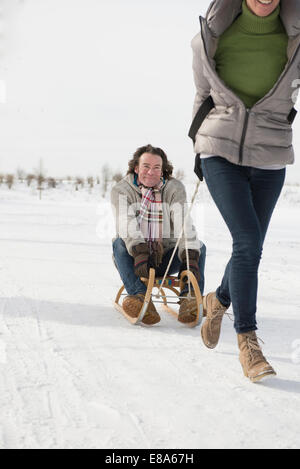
{"x": 167, "y": 167}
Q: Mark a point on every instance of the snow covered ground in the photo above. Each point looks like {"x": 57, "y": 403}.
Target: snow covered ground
{"x": 75, "y": 374}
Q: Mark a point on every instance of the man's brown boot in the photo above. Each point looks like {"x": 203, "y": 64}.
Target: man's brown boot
{"x": 132, "y": 305}
{"x": 188, "y": 309}
{"x": 254, "y": 364}
{"x": 214, "y": 312}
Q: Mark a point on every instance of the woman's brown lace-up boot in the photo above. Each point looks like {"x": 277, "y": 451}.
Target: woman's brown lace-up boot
{"x": 254, "y": 364}
{"x": 214, "y": 312}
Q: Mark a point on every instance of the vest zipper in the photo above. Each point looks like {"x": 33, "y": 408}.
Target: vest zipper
{"x": 261, "y": 100}
{"x": 244, "y": 135}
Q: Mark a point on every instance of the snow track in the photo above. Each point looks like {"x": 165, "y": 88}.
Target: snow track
{"x": 75, "y": 374}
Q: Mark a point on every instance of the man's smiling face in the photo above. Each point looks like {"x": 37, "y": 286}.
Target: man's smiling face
{"x": 149, "y": 169}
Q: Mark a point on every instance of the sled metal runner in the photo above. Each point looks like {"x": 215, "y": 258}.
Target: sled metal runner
{"x": 171, "y": 283}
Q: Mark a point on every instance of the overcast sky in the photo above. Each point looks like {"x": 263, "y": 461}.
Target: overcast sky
{"x": 88, "y": 81}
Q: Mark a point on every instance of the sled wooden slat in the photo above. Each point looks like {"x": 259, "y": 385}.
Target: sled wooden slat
{"x": 199, "y": 299}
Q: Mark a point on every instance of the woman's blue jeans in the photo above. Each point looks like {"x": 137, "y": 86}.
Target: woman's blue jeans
{"x": 133, "y": 285}
{"x": 246, "y": 198}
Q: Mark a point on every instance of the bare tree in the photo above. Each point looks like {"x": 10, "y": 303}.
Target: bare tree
{"x": 117, "y": 177}
{"x": 40, "y": 180}
{"x": 1, "y": 178}
{"x": 90, "y": 181}
{"x": 106, "y": 174}
{"x": 40, "y": 177}
{"x": 29, "y": 179}
{"x": 10, "y": 180}
{"x": 67, "y": 180}
{"x": 79, "y": 182}
{"x": 51, "y": 183}
{"x": 21, "y": 174}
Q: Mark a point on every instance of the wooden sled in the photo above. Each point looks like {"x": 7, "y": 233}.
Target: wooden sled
{"x": 171, "y": 283}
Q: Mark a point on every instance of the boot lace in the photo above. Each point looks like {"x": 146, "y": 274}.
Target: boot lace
{"x": 217, "y": 314}
{"x": 255, "y": 352}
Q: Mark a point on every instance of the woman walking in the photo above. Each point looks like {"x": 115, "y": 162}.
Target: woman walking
{"x": 246, "y": 63}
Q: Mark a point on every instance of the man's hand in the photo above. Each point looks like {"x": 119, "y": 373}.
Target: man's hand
{"x": 141, "y": 257}
{"x": 194, "y": 264}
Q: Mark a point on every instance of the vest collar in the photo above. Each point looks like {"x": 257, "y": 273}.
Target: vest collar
{"x": 222, "y": 13}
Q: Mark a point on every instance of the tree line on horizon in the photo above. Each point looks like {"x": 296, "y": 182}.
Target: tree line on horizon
{"x": 42, "y": 181}
{"x": 39, "y": 177}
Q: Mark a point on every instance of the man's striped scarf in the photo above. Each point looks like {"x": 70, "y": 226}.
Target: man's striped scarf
{"x": 151, "y": 214}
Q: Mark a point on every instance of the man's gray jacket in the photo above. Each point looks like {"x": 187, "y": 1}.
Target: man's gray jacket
{"x": 126, "y": 200}
{"x": 261, "y": 135}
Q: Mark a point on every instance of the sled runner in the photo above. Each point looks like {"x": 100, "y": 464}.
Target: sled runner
{"x": 169, "y": 283}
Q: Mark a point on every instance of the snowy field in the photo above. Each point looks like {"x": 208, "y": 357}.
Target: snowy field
{"x": 75, "y": 374}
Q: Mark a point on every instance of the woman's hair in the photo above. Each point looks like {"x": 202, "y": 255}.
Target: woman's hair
{"x": 167, "y": 167}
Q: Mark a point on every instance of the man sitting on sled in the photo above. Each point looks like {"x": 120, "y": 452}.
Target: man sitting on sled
{"x": 149, "y": 205}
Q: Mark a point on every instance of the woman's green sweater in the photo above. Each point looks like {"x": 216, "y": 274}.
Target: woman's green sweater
{"x": 252, "y": 54}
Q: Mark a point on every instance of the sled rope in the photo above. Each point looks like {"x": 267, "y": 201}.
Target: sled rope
{"x": 182, "y": 233}
{"x": 187, "y": 259}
